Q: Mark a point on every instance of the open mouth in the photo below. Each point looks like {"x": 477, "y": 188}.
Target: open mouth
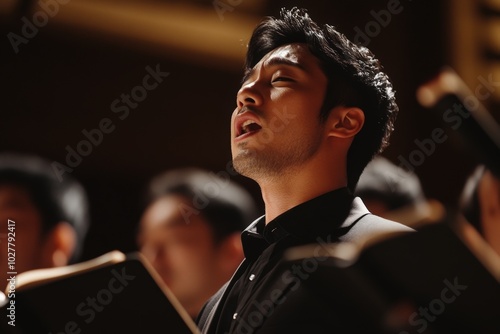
{"x": 248, "y": 127}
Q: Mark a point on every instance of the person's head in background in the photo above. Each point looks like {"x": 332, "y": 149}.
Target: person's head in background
{"x": 391, "y": 192}
{"x": 50, "y": 218}
{"x": 480, "y": 204}
{"x": 191, "y": 229}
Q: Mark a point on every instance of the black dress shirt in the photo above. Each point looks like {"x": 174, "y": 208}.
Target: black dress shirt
{"x": 264, "y": 245}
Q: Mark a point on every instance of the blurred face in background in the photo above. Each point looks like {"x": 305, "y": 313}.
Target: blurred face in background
{"x": 26, "y": 233}
{"x": 30, "y": 246}
{"x": 179, "y": 243}
{"x": 489, "y": 199}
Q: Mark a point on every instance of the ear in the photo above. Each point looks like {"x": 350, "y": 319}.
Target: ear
{"x": 59, "y": 245}
{"x": 345, "y": 122}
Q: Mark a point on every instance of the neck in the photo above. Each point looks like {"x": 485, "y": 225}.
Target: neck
{"x": 296, "y": 186}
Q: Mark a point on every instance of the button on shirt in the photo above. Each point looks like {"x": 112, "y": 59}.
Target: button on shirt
{"x": 264, "y": 245}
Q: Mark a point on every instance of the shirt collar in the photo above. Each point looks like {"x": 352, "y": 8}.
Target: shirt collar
{"x": 305, "y": 222}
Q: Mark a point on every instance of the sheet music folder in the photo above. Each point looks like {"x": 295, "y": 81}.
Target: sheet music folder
{"x": 108, "y": 294}
{"x": 431, "y": 281}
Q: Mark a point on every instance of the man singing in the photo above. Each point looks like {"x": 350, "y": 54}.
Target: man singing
{"x": 312, "y": 111}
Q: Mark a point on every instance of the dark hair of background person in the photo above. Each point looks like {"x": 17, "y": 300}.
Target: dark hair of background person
{"x": 355, "y": 79}
{"x": 388, "y": 183}
{"x": 57, "y": 201}
{"x": 399, "y": 192}
{"x": 227, "y": 206}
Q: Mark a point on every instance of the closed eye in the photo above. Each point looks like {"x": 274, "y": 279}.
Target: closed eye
{"x": 282, "y": 79}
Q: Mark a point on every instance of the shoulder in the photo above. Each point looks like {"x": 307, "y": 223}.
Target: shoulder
{"x": 362, "y": 224}
{"x": 206, "y": 314}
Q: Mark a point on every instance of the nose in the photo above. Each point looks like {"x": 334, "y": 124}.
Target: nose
{"x": 249, "y": 94}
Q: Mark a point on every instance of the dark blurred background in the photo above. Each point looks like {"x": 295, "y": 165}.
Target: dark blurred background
{"x": 64, "y": 63}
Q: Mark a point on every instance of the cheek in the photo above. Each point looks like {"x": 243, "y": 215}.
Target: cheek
{"x": 281, "y": 95}
{"x": 304, "y": 123}
{"x": 192, "y": 264}
{"x": 292, "y": 107}
{"x": 190, "y": 252}
{"x": 28, "y": 248}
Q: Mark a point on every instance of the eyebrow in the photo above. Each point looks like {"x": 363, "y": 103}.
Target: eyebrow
{"x": 275, "y": 61}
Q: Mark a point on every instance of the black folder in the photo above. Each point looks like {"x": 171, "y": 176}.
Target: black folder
{"x": 110, "y": 296}
{"x": 433, "y": 281}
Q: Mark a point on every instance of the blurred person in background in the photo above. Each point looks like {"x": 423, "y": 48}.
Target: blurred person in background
{"x": 480, "y": 204}
{"x": 49, "y": 218}
{"x": 190, "y": 232}
{"x": 394, "y": 193}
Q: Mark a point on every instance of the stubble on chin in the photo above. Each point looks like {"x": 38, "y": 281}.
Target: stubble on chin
{"x": 266, "y": 163}
{"x": 244, "y": 161}
{"x": 251, "y": 163}
{"x": 263, "y": 165}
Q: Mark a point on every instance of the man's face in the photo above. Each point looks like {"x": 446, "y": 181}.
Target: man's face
{"x": 26, "y": 235}
{"x": 275, "y": 125}
{"x": 181, "y": 250}
{"x": 489, "y": 199}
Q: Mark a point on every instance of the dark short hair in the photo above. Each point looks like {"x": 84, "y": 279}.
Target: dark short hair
{"x": 56, "y": 201}
{"x": 355, "y": 79}
{"x": 390, "y": 184}
{"x": 227, "y": 206}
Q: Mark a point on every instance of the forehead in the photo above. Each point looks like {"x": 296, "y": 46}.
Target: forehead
{"x": 15, "y": 196}
{"x": 295, "y": 55}
{"x": 16, "y": 204}
{"x": 170, "y": 211}
{"x": 295, "y": 52}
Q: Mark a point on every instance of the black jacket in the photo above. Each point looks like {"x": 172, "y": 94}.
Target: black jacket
{"x": 280, "y": 303}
